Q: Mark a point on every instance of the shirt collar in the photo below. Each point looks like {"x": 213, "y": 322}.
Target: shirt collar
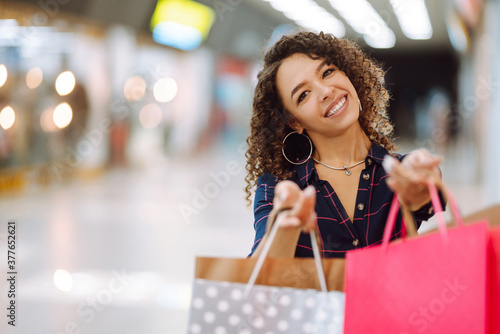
{"x": 307, "y": 170}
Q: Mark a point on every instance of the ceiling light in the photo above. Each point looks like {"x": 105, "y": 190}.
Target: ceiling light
{"x": 3, "y": 74}
{"x": 308, "y": 14}
{"x": 65, "y": 83}
{"x": 134, "y": 88}
{"x": 165, "y": 89}
{"x": 365, "y": 20}
{"x": 34, "y": 78}
{"x": 7, "y": 118}
{"x": 63, "y": 114}
{"x": 413, "y": 18}
{"x": 150, "y": 116}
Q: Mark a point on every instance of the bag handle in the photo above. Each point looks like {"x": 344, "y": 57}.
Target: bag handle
{"x": 448, "y": 196}
{"x": 265, "y": 250}
{"x": 408, "y": 222}
{"x": 436, "y": 204}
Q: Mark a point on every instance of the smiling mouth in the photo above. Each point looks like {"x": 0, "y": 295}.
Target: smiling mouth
{"x": 336, "y": 107}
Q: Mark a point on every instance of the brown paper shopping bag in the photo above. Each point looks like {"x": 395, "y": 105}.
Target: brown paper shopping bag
{"x": 285, "y": 272}
{"x": 268, "y": 294}
{"x": 295, "y": 273}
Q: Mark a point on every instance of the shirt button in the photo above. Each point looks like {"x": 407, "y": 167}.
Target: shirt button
{"x": 366, "y": 176}
{"x": 355, "y": 242}
{"x": 361, "y": 206}
{"x": 369, "y": 161}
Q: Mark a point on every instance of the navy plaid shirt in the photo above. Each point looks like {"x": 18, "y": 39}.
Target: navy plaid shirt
{"x": 337, "y": 232}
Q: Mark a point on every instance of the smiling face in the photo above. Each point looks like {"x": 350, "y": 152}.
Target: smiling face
{"x": 320, "y": 96}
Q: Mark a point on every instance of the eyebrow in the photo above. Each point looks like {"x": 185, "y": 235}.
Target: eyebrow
{"x": 300, "y": 85}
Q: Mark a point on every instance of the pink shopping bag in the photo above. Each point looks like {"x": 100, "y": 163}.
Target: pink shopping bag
{"x": 494, "y": 281}
{"x": 431, "y": 284}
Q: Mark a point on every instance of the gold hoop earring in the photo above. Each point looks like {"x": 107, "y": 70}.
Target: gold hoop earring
{"x": 297, "y": 162}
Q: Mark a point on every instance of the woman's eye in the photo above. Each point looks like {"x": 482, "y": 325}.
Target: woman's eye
{"x": 327, "y": 72}
{"x": 302, "y": 96}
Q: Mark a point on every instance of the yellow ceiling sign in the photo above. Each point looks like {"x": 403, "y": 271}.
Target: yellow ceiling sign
{"x": 185, "y": 12}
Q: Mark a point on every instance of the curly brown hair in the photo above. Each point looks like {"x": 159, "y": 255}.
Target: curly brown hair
{"x": 270, "y": 120}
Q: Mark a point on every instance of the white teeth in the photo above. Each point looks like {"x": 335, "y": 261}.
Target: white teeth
{"x": 336, "y": 107}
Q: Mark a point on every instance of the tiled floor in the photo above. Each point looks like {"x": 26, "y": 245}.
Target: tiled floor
{"x": 127, "y": 241}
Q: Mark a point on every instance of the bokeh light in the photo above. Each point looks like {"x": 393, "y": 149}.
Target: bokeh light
{"x": 62, "y": 115}
{"x": 47, "y": 120}
{"x": 63, "y": 280}
{"x": 3, "y": 75}
{"x": 34, "y": 77}
{"x": 7, "y": 117}
{"x": 65, "y": 83}
{"x": 150, "y": 116}
{"x": 135, "y": 88}
{"x": 165, "y": 89}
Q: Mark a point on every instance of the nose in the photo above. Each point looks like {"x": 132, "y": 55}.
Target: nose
{"x": 325, "y": 91}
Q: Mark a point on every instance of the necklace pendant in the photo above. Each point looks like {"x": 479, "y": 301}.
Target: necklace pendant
{"x": 347, "y": 171}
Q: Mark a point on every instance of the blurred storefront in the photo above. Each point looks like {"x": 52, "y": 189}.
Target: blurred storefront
{"x": 78, "y": 97}
{"x": 473, "y": 30}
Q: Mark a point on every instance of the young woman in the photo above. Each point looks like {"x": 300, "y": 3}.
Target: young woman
{"x": 320, "y": 149}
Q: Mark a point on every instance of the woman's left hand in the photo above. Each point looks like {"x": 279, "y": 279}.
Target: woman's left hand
{"x": 410, "y": 177}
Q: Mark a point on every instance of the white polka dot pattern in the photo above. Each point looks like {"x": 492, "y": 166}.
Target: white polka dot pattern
{"x": 195, "y": 328}
{"x": 247, "y": 308}
{"x": 198, "y": 303}
{"x": 283, "y": 325}
{"x": 222, "y": 308}
{"x": 212, "y": 291}
{"x": 285, "y": 300}
{"x": 271, "y": 311}
{"x": 321, "y": 316}
{"x": 220, "y": 330}
{"x": 260, "y": 297}
{"x": 236, "y": 294}
{"x": 296, "y": 314}
{"x": 258, "y": 322}
{"x": 209, "y": 317}
{"x": 310, "y": 302}
{"x": 234, "y": 320}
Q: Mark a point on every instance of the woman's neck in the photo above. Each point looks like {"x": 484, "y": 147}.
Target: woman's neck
{"x": 346, "y": 149}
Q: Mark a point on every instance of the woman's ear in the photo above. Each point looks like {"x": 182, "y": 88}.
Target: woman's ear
{"x": 296, "y": 126}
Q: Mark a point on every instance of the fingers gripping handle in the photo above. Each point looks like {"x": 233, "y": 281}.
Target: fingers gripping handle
{"x": 265, "y": 250}
{"x": 436, "y": 204}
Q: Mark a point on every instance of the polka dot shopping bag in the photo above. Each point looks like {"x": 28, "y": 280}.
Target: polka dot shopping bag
{"x": 227, "y": 307}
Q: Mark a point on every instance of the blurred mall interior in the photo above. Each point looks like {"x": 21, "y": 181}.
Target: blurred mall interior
{"x": 123, "y": 127}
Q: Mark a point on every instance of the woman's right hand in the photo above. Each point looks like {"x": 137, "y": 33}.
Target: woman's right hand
{"x": 300, "y": 217}
{"x": 301, "y": 203}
